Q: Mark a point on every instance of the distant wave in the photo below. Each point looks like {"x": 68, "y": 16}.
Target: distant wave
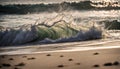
{"x": 58, "y": 7}
{"x": 52, "y": 31}
{"x": 112, "y": 25}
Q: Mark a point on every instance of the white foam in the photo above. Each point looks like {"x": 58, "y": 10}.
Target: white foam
{"x": 29, "y": 51}
{"x": 78, "y": 47}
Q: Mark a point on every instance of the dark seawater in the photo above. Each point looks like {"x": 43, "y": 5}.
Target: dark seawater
{"x": 55, "y": 21}
{"x": 57, "y": 7}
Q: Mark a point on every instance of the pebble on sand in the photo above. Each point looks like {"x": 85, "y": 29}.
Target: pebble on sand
{"x": 96, "y": 65}
{"x": 70, "y": 59}
{"x": 31, "y": 58}
{"x": 61, "y": 56}
{"x": 96, "y": 53}
{"x": 116, "y": 63}
{"x": 108, "y": 64}
{"x": 6, "y": 65}
{"x": 16, "y": 68}
{"x": 60, "y": 66}
{"x": 77, "y": 63}
{"x": 20, "y": 64}
{"x": 11, "y": 59}
{"x": 48, "y": 55}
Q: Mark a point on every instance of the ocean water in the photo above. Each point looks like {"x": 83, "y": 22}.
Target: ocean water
{"x": 22, "y": 13}
{"x": 46, "y": 1}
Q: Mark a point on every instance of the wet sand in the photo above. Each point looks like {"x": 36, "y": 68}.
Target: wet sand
{"x": 86, "y": 59}
{"x": 94, "y": 59}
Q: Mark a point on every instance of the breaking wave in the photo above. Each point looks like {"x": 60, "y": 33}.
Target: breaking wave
{"x": 54, "y": 30}
{"x": 58, "y": 7}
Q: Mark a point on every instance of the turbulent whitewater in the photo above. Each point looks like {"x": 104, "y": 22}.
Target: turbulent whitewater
{"x": 50, "y": 31}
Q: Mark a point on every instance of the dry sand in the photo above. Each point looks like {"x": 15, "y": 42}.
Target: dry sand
{"x": 91, "y": 59}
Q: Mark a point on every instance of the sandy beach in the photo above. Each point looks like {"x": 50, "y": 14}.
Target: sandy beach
{"x": 59, "y": 34}
{"x": 88, "y": 59}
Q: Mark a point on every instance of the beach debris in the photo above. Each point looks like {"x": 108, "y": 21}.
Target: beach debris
{"x": 20, "y": 64}
{"x": 96, "y": 53}
{"x": 6, "y": 65}
{"x": 70, "y": 59}
{"x": 61, "y": 56}
{"x": 96, "y": 65}
{"x": 116, "y": 63}
{"x": 60, "y": 66}
{"x": 31, "y": 58}
{"x": 48, "y": 55}
{"x": 108, "y": 64}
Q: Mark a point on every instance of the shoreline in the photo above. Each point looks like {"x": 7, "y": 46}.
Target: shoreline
{"x": 102, "y": 56}
{"x": 61, "y": 47}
